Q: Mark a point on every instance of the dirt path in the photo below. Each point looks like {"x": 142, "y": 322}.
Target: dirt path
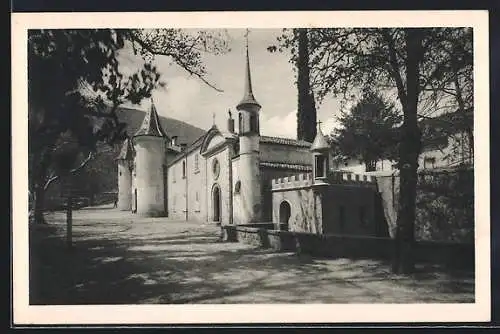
{"x": 122, "y": 259}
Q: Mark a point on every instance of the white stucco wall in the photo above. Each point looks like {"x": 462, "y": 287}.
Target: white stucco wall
{"x": 149, "y": 176}
{"x": 222, "y": 181}
{"x": 250, "y": 202}
{"x": 186, "y": 194}
{"x": 124, "y": 186}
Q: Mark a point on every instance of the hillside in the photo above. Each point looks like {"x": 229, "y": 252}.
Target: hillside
{"x": 186, "y": 132}
{"x": 100, "y": 175}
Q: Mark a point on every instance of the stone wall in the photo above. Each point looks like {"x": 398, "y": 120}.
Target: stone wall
{"x": 267, "y": 175}
{"x": 350, "y": 209}
{"x": 305, "y": 209}
{"x": 345, "y": 246}
{"x": 347, "y": 205}
{"x": 444, "y": 204}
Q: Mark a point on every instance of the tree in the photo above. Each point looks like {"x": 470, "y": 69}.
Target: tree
{"x": 368, "y": 131}
{"x": 411, "y": 63}
{"x": 75, "y": 85}
{"x": 306, "y": 111}
{"x": 306, "y": 108}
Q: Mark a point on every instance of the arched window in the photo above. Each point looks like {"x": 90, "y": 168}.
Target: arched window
{"x": 240, "y": 123}
{"x": 320, "y": 167}
{"x": 184, "y": 169}
{"x": 215, "y": 168}
{"x": 196, "y": 163}
{"x": 253, "y": 123}
{"x": 237, "y": 187}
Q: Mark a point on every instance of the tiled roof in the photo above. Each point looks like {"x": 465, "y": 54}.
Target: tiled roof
{"x": 285, "y": 141}
{"x": 151, "y": 124}
{"x": 196, "y": 144}
{"x": 299, "y": 167}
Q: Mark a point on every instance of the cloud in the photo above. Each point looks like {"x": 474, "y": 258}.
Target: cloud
{"x": 286, "y": 126}
{"x": 178, "y": 99}
{"x": 329, "y": 125}
{"x": 279, "y": 126}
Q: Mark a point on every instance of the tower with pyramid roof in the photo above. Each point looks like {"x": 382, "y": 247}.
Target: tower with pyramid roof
{"x": 249, "y": 139}
{"x": 149, "y": 145}
{"x": 320, "y": 154}
{"x": 125, "y": 162}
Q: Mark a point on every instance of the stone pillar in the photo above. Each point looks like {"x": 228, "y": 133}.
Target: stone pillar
{"x": 124, "y": 186}
{"x": 149, "y": 175}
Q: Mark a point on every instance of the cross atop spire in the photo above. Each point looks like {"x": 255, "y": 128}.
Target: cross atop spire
{"x": 320, "y": 143}
{"x": 248, "y": 98}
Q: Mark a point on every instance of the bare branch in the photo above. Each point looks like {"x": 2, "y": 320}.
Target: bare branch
{"x": 54, "y": 177}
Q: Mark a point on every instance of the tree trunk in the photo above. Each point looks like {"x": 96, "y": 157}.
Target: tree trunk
{"x": 409, "y": 152}
{"x": 38, "y": 204}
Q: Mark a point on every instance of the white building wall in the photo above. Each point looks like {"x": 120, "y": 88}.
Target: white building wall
{"x": 149, "y": 175}
{"x": 124, "y": 186}
{"x": 249, "y": 174}
{"x": 222, "y": 181}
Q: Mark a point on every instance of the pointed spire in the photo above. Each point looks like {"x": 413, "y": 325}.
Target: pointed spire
{"x": 248, "y": 98}
{"x": 151, "y": 125}
{"x": 320, "y": 143}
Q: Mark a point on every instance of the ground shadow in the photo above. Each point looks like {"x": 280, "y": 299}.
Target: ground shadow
{"x": 195, "y": 268}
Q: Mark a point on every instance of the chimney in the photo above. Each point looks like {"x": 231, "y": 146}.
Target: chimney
{"x": 230, "y": 123}
{"x": 174, "y": 140}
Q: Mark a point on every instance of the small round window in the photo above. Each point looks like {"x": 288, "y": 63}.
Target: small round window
{"x": 215, "y": 168}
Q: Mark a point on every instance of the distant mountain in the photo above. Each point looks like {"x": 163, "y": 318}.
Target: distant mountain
{"x": 186, "y": 133}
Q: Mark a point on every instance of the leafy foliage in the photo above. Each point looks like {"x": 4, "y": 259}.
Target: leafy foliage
{"x": 368, "y": 131}
{"x": 427, "y": 69}
{"x": 75, "y": 85}
{"x": 306, "y": 109}
{"x": 445, "y": 205}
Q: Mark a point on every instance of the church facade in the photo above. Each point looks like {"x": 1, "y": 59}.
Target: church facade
{"x": 224, "y": 176}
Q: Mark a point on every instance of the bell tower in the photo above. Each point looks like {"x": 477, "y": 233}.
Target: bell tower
{"x": 249, "y": 138}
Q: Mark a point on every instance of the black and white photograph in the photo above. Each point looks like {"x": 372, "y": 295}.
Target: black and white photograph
{"x": 287, "y": 165}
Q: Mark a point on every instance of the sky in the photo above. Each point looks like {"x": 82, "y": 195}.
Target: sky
{"x": 188, "y": 99}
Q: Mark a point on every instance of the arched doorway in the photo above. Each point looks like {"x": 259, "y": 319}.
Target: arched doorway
{"x": 216, "y": 204}
{"x": 285, "y": 213}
